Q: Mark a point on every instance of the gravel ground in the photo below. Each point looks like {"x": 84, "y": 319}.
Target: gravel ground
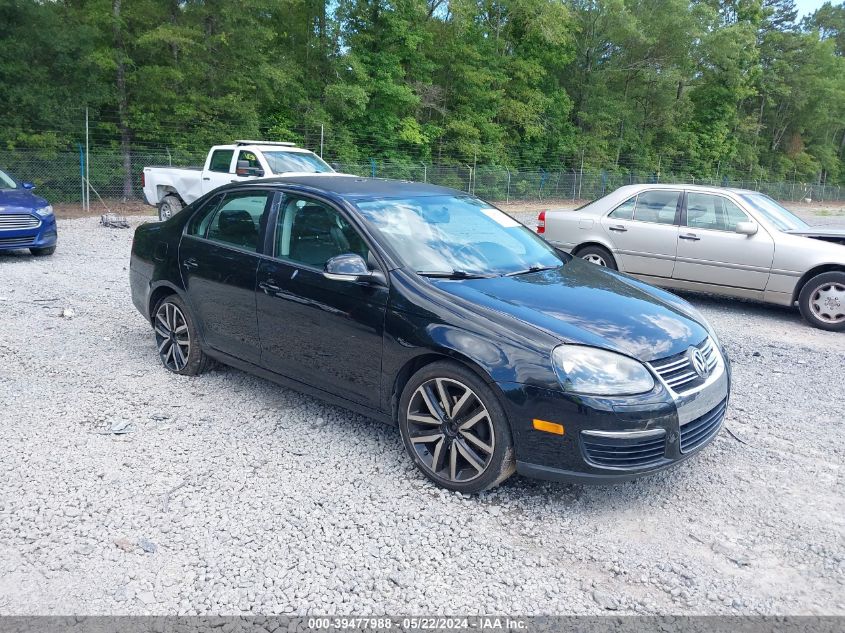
{"x": 230, "y": 494}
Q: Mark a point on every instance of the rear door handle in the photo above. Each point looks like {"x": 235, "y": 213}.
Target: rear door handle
{"x": 619, "y": 228}
{"x": 692, "y": 237}
{"x": 206, "y": 178}
{"x": 191, "y": 263}
{"x": 269, "y": 286}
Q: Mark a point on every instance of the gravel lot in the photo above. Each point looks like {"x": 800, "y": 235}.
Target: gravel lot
{"x": 230, "y": 494}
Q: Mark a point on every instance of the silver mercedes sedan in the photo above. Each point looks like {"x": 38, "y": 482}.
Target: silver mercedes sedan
{"x": 726, "y": 241}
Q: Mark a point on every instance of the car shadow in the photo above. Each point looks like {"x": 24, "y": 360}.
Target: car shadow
{"x": 746, "y": 307}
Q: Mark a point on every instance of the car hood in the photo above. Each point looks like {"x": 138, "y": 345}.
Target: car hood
{"x": 16, "y": 199}
{"x": 587, "y": 304}
{"x": 833, "y": 234}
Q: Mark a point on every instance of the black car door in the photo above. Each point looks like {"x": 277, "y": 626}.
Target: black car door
{"x": 218, "y": 256}
{"x": 324, "y": 332}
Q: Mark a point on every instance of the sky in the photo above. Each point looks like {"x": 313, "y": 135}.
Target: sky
{"x": 806, "y": 7}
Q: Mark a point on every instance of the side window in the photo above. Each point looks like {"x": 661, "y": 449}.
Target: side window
{"x": 311, "y": 233}
{"x": 624, "y": 211}
{"x": 716, "y": 213}
{"x": 701, "y": 211}
{"x": 657, "y": 206}
{"x": 250, "y": 158}
{"x": 199, "y": 223}
{"x": 240, "y": 220}
{"x": 733, "y": 214}
{"x": 221, "y": 159}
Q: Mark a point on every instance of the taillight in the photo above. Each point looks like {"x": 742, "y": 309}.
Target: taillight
{"x": 541, "y": 222}
{"x": 143, "y": 180}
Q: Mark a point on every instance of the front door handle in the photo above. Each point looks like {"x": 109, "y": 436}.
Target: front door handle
{"x": 191, "y": 263}
{"x": 692, "y": 237}
{"x": 269, "y": 286}
{"x": 619, "y": 228}
{"x": 206, "y": 178}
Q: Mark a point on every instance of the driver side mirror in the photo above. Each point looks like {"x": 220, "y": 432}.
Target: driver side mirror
{"x": 28, "y": 185}
{"x": 243, "y": 169}
{"x": 351, "y": 267}
{"x": 746, "y": 228}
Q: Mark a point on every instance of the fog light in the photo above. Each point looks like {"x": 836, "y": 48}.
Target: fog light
{"x": 548, "y": 427}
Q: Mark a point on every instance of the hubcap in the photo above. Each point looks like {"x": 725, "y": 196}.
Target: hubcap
{"x": 828, "y": 303}
{"x": 595, "y": 259}
{"x": 450, "y": 430}
{"x": 165, "y": 211}
{"x": 172, "y": 338}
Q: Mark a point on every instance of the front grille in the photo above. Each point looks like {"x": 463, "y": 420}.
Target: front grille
{"x": 13, "y": 221}
{"x": 701, "y": 430}
{"x": 613, "y": 452}
{"x": 15, "y": 241}
{"x": 677, "y": 371}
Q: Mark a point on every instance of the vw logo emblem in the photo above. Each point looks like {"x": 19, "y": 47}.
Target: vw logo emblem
{"x": 698, "y": 362}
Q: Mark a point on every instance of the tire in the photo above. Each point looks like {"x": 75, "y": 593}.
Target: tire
{"x": 469, "y": 460}
{"x": 179, "y": 354}
{"x": 822, "y": 301}
{"x": 598, "y": 255}
{"x": 43, "y": 252}
{"x": 169, "y": 206}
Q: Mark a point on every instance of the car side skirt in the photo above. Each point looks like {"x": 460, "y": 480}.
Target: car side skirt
{"x": 768, "y": 296}
{"x": 298, "y": 386}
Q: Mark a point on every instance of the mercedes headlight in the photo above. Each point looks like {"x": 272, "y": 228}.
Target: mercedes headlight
{"x": 45, "y": 212}
{"x": 597, "y": 372}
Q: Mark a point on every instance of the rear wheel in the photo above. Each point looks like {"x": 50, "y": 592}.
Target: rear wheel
{"x": 43, "y": 252}
{"x": 168, "y": 207}
{"x": 176, "y": 338}
{"x": 455, "y": 429}
{"x": 597, "y": 255}
{"x": 822, "y": 301}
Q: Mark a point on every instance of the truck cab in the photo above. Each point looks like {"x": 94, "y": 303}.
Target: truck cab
{"x": 171, "y": 188}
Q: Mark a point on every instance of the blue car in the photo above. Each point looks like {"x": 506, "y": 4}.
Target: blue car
{"x": 26, "y": 221}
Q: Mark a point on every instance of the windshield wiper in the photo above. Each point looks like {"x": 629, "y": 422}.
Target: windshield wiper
{"x": 530, "y": 269}
{"x": 452, "y": 274}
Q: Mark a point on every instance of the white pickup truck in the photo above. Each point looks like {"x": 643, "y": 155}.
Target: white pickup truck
{"x": 171, "y": 188}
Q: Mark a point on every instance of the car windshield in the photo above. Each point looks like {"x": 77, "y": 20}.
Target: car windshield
{"x": 454, "y": 235}
{"x": 781, "y": 218}
{"x": 6, "y": 181}
{"x": 282, "y": 162}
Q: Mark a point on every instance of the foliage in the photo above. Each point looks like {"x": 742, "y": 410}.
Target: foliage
{"x": 702, "y": 87}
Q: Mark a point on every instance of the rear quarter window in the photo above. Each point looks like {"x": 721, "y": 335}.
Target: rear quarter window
{"x": 624, "y": 211}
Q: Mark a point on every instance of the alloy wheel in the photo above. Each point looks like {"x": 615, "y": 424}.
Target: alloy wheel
{"x": 450, "y": 430}
{"x": 828, "y": 303}
{"x": 595, "y": 259}
{"x": 172, "y": 338}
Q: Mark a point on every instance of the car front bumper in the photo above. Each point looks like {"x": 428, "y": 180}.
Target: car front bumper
{"x": 42, "y": 235}
{"x": 608, "y": 440}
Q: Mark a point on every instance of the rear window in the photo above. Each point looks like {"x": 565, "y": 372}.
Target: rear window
{"x": 221, "y": 159}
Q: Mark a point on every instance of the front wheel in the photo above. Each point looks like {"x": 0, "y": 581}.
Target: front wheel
{"x": 168, "y": 207}
{"x": 455, "y": 429}
{"x": 822, "y": 301}
{"x": 597, "y": 255}
{"x": 43, "y": 252}
{"x": 176, "y": 338}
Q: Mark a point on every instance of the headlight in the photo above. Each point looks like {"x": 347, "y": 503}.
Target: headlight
{"x": 45, "y": 212}
{"x": 596, "y": 372}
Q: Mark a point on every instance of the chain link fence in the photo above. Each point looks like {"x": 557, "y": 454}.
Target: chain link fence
{"x": 59, "y": 177}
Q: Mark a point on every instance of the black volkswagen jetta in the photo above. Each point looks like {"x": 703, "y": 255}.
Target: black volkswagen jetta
{"x": 427, "y": 307}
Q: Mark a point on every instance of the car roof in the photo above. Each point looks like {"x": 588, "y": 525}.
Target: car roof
{"x": 263, "y": 148}
{"x": 681, "y": 185}
{"x": 357, "y": 187}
